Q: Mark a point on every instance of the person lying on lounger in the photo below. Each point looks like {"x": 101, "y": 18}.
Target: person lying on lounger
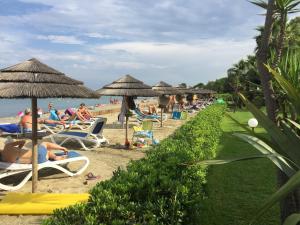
{"x": 14, "y": 152}
{"x": 26, "y": 121}
{"x": 83, "y": 113}
{"x": 152, "y": 109}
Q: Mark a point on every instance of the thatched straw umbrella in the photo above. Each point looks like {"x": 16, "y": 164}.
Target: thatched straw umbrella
{"x": 164, "y": 89}
{"x": 201, "y": 91}
{"x": 33, "y": 79}
{"x": 183, "y": 92}
{"x": 127, "y": 86}
{"x": 183, "y": 89}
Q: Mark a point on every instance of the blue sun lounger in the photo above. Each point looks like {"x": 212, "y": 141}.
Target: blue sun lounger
{"x": 141, "y": 116}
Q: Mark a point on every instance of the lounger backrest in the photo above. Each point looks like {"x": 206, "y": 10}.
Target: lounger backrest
{"x": 98, "y": 126}
{"x": 183, "y": 115}
{"x": 147, "y": 125}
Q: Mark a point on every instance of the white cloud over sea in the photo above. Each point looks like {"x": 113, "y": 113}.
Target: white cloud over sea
{"x": 98, "y": 41}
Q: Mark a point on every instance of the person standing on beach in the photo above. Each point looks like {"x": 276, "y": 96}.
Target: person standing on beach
{"x": 171, "y": 103}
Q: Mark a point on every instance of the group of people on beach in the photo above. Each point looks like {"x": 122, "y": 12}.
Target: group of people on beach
{"x": 56, "y": 116}
{"x": 14, "y": 151}
{"x": 114, "y": 101}
{"x": 166, "y": 103}
{"x": 70, "y": 114}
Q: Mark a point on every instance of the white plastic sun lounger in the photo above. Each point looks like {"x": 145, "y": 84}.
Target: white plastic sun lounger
{"x": 82, "y": 125}
{"x": 17, "y": 168}
{"x": 52, "y": 128}
{"x": 93, "y": 136}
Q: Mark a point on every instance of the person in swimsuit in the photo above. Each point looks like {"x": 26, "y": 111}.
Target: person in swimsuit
{"x": 26, "y": 121}
{"x": 152, "y": 109}
{"x": 14, "y": 152}
{"x": 170, "y": 105}
{"x": 83, "y": 113}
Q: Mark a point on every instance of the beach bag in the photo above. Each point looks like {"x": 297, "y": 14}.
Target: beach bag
{"x": 176, "y": 115}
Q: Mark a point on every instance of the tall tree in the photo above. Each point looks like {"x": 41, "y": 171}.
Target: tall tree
{"x": 283, "y": 8}
{"x": 291, "y": 203}
{"x": 262, "y": 59}
{"x": 280, "y": 13}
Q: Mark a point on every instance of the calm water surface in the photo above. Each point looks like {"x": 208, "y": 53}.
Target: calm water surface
{"x": 10, "y": 107}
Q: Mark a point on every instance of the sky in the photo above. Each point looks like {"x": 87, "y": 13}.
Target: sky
{"x": 98, "y": 41}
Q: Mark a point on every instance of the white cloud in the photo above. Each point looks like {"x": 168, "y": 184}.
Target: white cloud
{"x": 177, "y": 41}
{"x": 200, "y": 61}
{"x": 141, "y": 20}
{"x": 98, "y": 35}
{"x": 61, "y": 39}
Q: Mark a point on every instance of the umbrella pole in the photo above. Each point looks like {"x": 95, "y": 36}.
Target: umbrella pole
{"x": 161, "y": 116}
{"x": 34, "y": 144}
{"x": 126, "y": 133}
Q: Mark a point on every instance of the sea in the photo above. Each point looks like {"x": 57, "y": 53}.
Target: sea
{"x": 11, "y": 107}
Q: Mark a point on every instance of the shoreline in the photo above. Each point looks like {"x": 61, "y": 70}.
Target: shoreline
{"x": 101, "y": 109}
{"x": 104, "y": 109}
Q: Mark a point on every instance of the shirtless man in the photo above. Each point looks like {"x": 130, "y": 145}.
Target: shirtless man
{"x": 26, "y": 121}
{"x": 13, "y": 152}
{"x": 171, "y": 103}
{"x": 152, "y": 109}
{"x": 83, "y": 113}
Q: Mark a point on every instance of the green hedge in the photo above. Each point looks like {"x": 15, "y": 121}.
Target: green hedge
{"x": 226, "y": 96}
{"x": 157, "y": 189}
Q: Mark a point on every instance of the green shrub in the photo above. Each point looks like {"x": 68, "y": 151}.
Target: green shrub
{"x": 158, "y": 189}
{"x": 226, "y": 96}
{"x": 258, "y": 101}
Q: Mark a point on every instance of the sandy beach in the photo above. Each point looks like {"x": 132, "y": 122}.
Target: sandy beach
{"x": 103, "y": 161}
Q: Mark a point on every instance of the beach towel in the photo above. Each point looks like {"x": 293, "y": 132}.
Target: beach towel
{"x": 53, "y": 115}
{"x": 10, "y": 128}
{"x": 70, "y": 111}
{"x": 38, "y": 203}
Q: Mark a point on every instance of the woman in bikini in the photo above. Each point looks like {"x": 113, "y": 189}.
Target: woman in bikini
{"x": 14, "y": 152}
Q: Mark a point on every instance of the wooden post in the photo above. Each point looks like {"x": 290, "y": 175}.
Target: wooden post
{"x": 125, "y": 99}
{"x": 126, "y": 133}
{"x": 161, "y": 116}
{"x": 34, "y": 145}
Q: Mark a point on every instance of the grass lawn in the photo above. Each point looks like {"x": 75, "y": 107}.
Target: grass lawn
{"x": 235, "y": 191}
